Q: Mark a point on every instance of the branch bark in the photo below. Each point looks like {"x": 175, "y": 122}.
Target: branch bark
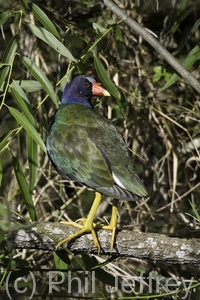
{"x": 154, "y": 43}
{"x": 151, "y": 246}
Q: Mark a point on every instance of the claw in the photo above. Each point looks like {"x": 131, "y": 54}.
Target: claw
{"x": 89, "y": 225}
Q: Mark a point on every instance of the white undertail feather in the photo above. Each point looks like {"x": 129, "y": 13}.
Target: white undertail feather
{"x": 117, "y": 181}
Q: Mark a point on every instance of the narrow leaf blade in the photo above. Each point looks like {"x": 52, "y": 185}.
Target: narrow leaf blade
{"x": 24, "y": 188}
{"x": 23, "y": 5}
{"x": 15, "y": 84}
{"x": 32, "y": 149}
{"x": 100, "y": 274}
{"x": 187, "y": 63}
{"x": 44, "y": 19}
{"x": 41, "y": 77}
{"x": 7, "y": 59}
{"x": 5, "y": 16}
{"x": 22, "y": 105}
{"x": 29, "y": 86}
{"x": 4, "y": 139}
{"x": 4, "y": 213}
{"x": 23, "y": 121}
{"x": 59, "y": 263}
{"x": 1, "y": 172}
{"x": 51, "y": 40}
{"x": 103, "y": 76}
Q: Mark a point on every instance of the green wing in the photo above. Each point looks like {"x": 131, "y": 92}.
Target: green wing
{"x": 76, "y": 156}
{"x": 88, "y": 149}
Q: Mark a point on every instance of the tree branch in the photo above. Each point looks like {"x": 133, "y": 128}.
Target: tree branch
{"x": 154, "y": 43}
{"x": 152, "y": 246}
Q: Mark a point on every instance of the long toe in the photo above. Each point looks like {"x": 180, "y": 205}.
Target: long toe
{"x": 85, "y": 228}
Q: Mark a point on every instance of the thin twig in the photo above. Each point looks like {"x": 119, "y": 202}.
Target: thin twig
{"x": 154, "y": 43}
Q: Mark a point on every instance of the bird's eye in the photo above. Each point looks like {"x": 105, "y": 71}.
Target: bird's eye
{"x": 86, "y": 84}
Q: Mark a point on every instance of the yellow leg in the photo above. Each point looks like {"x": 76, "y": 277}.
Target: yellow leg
{"x": 88, "y": 225}
{"x": 113, "y": 223}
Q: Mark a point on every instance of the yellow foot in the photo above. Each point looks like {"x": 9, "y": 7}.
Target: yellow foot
{"x": 83, "y": 229}
{"x": 89, "y": 226}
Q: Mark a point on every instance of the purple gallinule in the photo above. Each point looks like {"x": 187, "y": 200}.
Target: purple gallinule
{"x": 87, "y": 148}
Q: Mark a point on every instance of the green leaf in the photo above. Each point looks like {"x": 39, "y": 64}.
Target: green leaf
{"x": 17, "y": 227}
{"x": 193, "y": 55}
{"x": 24, "y": 188}
{"x": 1, "y": 172}
{"x": 4, "y": 213}
{"x": 195, "y": 211}
{"x": 4, "y": 224}
{"x": 19, "y": 271}
{"x": 23, "y": 121}
{"x": 59, "y": 262}
{"x": 103, "y": 76}
{"x": 5, "y": 16}
{"x": 105, "y": 277}
{"x": 7, "y": 58}
{"x": 29, "y": 86}
{"x": 22, "y": 105}
{"x": 4, "y": 227}
{"x": 15, "y": 84}
{"x": 51, "y": 40}
{"x": 4, "y": 138}
{"x": 186, "y": 37}
{"x": 73, "y": 40}
{"x": 111, "y": 22}
{"x": 44, "y": 19}
{"x": 98, "y": 27}
{"x": 118, "y": 34}
{"x": 32, "y": 149}
{"x": 158, "y": 73}
{"x": 23, "y": 5}
{"x": 21, "y": 283}
{"x": 41, "y": 77}
{"x": 2, "y": 65}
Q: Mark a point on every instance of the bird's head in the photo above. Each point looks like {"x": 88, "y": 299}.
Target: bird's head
{"x": 81, "y": 89}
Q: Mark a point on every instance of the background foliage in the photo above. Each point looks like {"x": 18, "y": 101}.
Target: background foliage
{"x": 43, "y": 45}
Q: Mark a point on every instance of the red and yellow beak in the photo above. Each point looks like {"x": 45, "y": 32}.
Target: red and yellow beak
{"x": 98, "y": 90}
